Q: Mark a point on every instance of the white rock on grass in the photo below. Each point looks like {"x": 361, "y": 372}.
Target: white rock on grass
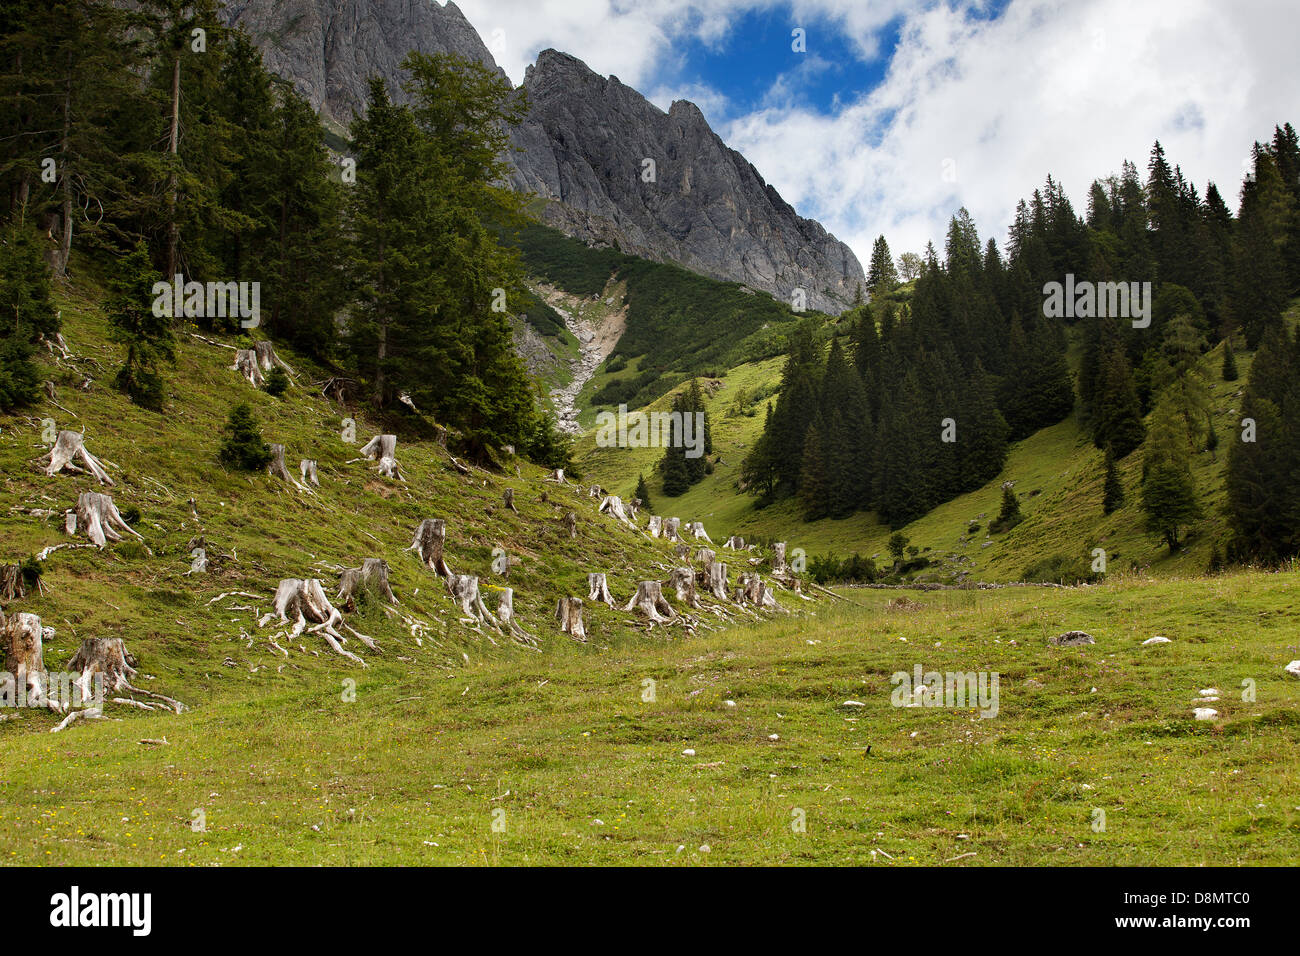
{"x": 1293, "y": 668}
{"x": 1205, "y": 713}
{"x": 1156, "y": 640}
{"x": 688, "y": 752}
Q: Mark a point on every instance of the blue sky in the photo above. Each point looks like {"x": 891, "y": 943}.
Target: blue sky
{"x": 902, "y": 111}
{"x": 760, "y": 46}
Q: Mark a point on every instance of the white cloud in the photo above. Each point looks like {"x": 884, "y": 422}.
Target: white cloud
{"x": 1070, "y": 89}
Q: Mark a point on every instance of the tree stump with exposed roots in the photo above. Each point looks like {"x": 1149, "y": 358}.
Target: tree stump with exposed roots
{"x": 598, "y": 589}
{"x": 650, "y": 600}
{"x": 430, "y": 539}
{"x": 70, "y": 448}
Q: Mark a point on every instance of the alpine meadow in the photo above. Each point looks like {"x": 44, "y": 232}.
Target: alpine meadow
{"x": 423, "y": 448}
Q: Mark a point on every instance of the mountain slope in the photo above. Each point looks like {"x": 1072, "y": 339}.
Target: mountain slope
{"x": 586, "y": 144}
{"x": 328, "y": 48}
{"x": 258, "y": 530}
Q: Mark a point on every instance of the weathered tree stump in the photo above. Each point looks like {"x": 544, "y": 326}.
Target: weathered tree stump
{"x": 99, "y": 517}
{"x": 735, "y": 543}
{"x": 379, "y": 447}
{"x": 656, "y": 526}
{"x": 598, "y": 589}
{"x": 672, "y": 529}
{"x": 570, "y": 524}
{"x": 464, "y": 591}
{"x": 613, "y": 505}
{"x": 12, "y": 585}
{"x": 596, "y": 492}
{"x": 303, "y": 604}
{"x": 650, "y": 600}
{"x": 247, "y": 365}
{"x": 716, "y": 577}
{"x": 405, "y": 399}
{"x": 697, "y": 529}
{"x": 267, "y": 359}
{"x": 705, "y": 556}
{"x": 556, "y": 476}
{"x": 778, "y": 558}
{"x": 430, "y": 539}
{"x": 569, "y": 613}
{"x": 276, "y": 468}
{"x": 69, "y": 448}
{"x": 682, "y": 581}
{"x": 756, "y": 592}
{"x": 506, "y": 618}
{"x": 509, "y": 498}
{"x": 307, "y": 467}
{"x": 682, "y": 551}
{"x": 108, "y": 656}
{"x": 371, "y": 578}
{"x": 22, "y": 654}
{"x": 55, "y": 344}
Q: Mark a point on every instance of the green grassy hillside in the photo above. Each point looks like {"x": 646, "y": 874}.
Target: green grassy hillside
{"x": 258, "y": 530}
{"x": 1058, "y": 475}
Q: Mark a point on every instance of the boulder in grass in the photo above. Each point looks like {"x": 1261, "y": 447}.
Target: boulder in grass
{"x": 1156, "y": 640}
{"x": 1072, "y": 639}
{"x": 1205, "y": 713}
{"x": 1293, "y": 668}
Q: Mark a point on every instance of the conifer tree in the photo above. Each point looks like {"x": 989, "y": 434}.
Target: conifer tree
{"x": 26, "y": 312}
{"x": 814, "y": 486}
{"x": 145, "y": 333}
{"x": 1229, "y": 371}
{"x": 1112, "y": 496}
{"x": 1169, "y": 497}
{"x": 882, "y": 277}
{"x": 643, "y": 492}
{"x": 243, "y": 447}
{"x": 1117, "y": 420}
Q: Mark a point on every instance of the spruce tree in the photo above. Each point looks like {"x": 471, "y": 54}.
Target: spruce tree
{"x": 134, "y": 324}
{"x": 814, "y": 484}
{"x": 1010, "y": 515}
{"x": 26, "y": 312}
{"x": 643, "y": 493}
{"x": 1229, "y": 371}
{"x": 1112, "y": 496}
{"x": 1169, "y": 498}
{"x": 882, "y": 277}
{"x": 243, "y": 447}
{"x": 1117, "y": 418}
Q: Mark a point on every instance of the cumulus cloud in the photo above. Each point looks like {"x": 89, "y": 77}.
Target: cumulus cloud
{"x": 976, "y": 112}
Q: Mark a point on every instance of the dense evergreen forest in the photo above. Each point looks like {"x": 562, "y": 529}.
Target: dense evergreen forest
{"x": 142, "y": 143}
{"x": 919, "y": 402}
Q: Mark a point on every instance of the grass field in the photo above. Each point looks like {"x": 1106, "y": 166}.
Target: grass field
{"x": 562, "y": 753}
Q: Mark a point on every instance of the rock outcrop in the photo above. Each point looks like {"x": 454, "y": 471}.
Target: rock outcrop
{"x": 329, "y": 48}
{"x": 585, "y": 144}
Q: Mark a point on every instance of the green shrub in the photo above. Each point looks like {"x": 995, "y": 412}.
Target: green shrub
{"x": 243, "y": 447}
{"x": 277, "y": 382}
